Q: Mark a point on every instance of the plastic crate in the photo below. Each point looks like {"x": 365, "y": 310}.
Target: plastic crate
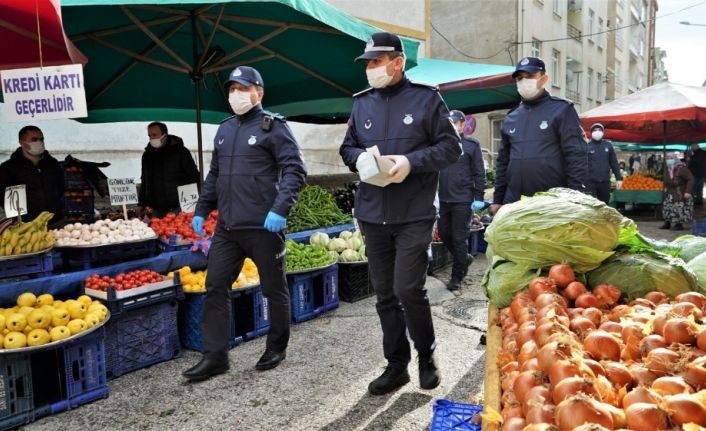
{"x": 37, "y": 264}
{"x": 189, "y": 321}
{"x": 313, "y": 293}
{"x": 78, "y": 205}
{"x": 121, "y": 301}
{"x": 142, "y": 337}
{"x": 75, "y": 181}
{"x": 451, "y": 416}
{"x": 15, "y": 391}
{"x": 303, "y": 236}
{"x": 354, "y": 282}
{"x": 474, "y": 242}
{"x": 698, "y": 227}
{"x": 165, "y": 246}
{"x": 252, "y": 314}
{"x": 88, "y": 257}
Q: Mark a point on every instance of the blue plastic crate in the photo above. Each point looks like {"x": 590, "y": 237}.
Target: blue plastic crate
{"x": 304, "y": 235}
{"x": 451, "y": 416}
{"x": 37, "y": 264}
{"x": 164, "y": 246}
{"x": 698, "y": 227}
{"x": 252, "y": 314}
{"x": 15, "y": 390}
{"x": 313, "y": 293}
{"x": 142, "y": 337}
{"x": 87, "y": 257}
{"x": 189, "y": 322}
{"x": 171, "y": 289}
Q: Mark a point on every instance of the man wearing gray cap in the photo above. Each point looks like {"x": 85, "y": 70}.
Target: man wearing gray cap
{"x": 409, "y": 123}
{"x": 255, "y": 177}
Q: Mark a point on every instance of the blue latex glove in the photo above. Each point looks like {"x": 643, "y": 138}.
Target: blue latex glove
{"x": 275, "y": 222}
{"x": 197, "y": 225}
{"x": 477, "y": 206}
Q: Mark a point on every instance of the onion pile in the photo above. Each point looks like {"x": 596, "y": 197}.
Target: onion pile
{"x": 578, "y": 359}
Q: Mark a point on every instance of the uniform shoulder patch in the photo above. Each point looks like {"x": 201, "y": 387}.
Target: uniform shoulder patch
{"x": 361, "y": 93}
{"x": 275, "y": 116}
{"x": 421, "y": 84}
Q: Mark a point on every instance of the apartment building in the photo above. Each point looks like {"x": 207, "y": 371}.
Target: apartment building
{"x": 660, "y": 71}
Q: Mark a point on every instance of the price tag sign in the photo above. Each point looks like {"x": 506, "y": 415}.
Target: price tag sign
{"x": 188, "y": 197}
{"x": 15, "y": 201}
{"x": 123, "y": 191}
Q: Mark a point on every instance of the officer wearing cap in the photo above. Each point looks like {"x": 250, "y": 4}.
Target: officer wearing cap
{"x": 255, "y": 177}
{"x": 601, "y": 160}
{"x": 409, "y": 123}
{"x": 543, "y": 144}
{"x": 461, "y": 189}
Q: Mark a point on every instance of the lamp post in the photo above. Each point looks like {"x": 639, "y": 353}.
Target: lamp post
{"x": 691, "y": 23}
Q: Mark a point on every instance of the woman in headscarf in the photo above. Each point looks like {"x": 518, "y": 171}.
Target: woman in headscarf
{"x": 678, "y": 204}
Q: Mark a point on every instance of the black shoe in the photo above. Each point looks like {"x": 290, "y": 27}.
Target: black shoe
{"x": 428, "y": 373}
{"x": 391, "y": 379}
{"x": 666, "y": 225}
{"x": 677, "y": 226}
{"x": 453, "y": 285}
{"x": 270, "y": 359}
{"x": 205, "y": 369}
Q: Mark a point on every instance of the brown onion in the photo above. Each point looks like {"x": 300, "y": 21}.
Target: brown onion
{"x": 618, "y": 312}
{"x": 618, "y": 374}
{"x": 695, "y": 375}
{"x": 656, "y": 297}
{"x": 525, "y": 381}
{"x": 539, "y": 394}
{"x": 508, "y": 398}
{"x": 540, "y": 427}
{"x": 511, "y": 411}
{"x": 560, "y": 320}
{"x": 519, "y": 304}
{"x": 680, "y": 330}
{"x": 573, "y": 312}
{"x": 686, "y": 309}
{"x": 632, "y": 330}
{"x": 541, "y": 285}
{"x": 552, "y": 352}
{"x": 587, "y": 300}
{"x": 581, "y": 326}
{"x": 671, "y": 385}
{"x": 540, "y": 413}
{"x": 595, "y": 366}
{"x": 593, "y": 314}
{"x": 701, "y": 340}
{"x": 610, "y": 326}
{"x": 646, "y": 417}
{"x": 641, "y": 394}
{"x": 510, "y": 366}
{"x": 574, "y": 290}
{"x": 562, "y": 274}
{"x": 618, "y": 415}
{"x": 663, "y": 361}
{"x": 591, "y": 427}
{"x": 643, "y": 303}
{"x": 602, "y": 346}
{"x": 568, "y": 368}
{"x": 549, "y": 298}
{"x": 641, "y": 376}
{"x": 544, "y": 331}
{"x": 573, "y": 385}
{"x": 527, "y": 352}
{"x": 651, "y": 342}
{"x": 658, "y": 324}
{"x": 507, "y": 381}
{"x": 513, "y": 424}
{"x": 607, "y": 294}
{"x": 580, "y": 409}
{"x": 684, "y": 409}
{"x": 530, "y": 365}
{"x": 525, "y": 332}
{"x": 694, "y": 297}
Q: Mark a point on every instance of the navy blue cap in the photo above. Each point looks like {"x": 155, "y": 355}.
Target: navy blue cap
{"x": 597, "y": 126}
{"x": 379, "y": 44}
{"x": 529, "y": 65}
{"x": 456, "y": 115}
{"x": 245, "y": 75}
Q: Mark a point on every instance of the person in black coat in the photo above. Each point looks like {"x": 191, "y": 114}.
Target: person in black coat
{"x": 32, "y": 165}
{"x": 166, "y": 165}
{"x": 697, "y": 166}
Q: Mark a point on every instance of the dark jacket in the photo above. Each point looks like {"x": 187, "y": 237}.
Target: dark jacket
{"x": 464, "y": 180}
{"x": 163, "y": 170}
{"x": 601, "y": 160}
{"x": 406, "y": 119}
{"x": 697, "y": 163}
{"x": 682, "y": 182}
{"x": 45, "y": 183}
{"x": 543, "y": 146}
{"x": 253, "y": 171}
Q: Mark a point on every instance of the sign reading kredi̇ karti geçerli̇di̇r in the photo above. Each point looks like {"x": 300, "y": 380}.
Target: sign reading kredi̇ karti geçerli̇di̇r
{"x": 47, "y": 93}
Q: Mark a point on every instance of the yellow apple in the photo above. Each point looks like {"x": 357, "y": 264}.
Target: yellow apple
{"x": 16, "y": 322}
{"x": 39, "y": 319}
{"x": 45, "y": 299}
{"x": 15, "y": 340}
{"x": 76, "y": 309}
{"x": 2, "y": 323}
{"x": 59, "y": 333}
{"x": 92, "y": 319}
{"x": 59, "y": 304}
{"x": 27, "y": 299}
{"x": 47, "y": 308}
{"x": 38, "y": 337}
{"x": 76, "y": 326}
{"x": 98, "y": 307}
{"x": 85, "y": 299}
{"x": 25, "y": 310}
{"x": 60, "y": 317}
{"x": 27, "y": 330}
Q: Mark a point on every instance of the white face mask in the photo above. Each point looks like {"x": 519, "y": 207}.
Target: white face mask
{"x": 240, "y": 102}
{"x": 597, "y": 135}
{"x": 157, "y": 142}
{"x": 378, "y": 77}
{"x": 528, "y": 88}
{"x": 36, "y": 148}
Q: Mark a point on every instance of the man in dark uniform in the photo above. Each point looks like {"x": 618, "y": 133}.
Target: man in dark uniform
{"x": 602, "y": 160}
{"x": 32, "y": 165}
{"x": 255, "y": 177}
{"x": 409, "y": 123}
{"x": 697, "y": 166}
{"x": 543, "y": 145}
{"x": 461, "y": 189}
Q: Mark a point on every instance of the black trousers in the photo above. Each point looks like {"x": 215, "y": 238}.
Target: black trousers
{"x": 601, "y": 190}
{"x": 397, "y": 259}
{"x": 454, "y": 228}
{"x": 225, "y": 260}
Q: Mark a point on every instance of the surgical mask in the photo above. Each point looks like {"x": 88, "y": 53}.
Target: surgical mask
{"x": 671, "y": 162}
{"x": 240, "y": 102}
{"x": 36, "y": 148}
{"x": 597, "y": 135}
{"x": 527, "y": 88}
{"x": 378, "y": 77}
{"x": 157, "y": 142}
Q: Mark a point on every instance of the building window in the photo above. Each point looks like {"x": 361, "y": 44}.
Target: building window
{"x": 640, "y": 81}
{"x": 556, "y": 68}
{"x": 589, "y": 83}
{"x": 619, "y": 40}
{"x": 642, "y": 48}
{"x": 496, "y": 136}
{"x": 621, "y": 3}
{"x": 599, "y": 86}
{"x": 556, "y": 4}
{"x": 600, "y": 37}
{"x": 536, "y": 48}
{"x": 591, "y": 17}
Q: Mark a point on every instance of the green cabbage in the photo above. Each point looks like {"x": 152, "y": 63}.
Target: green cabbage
{"x": 638, "y": 274}
{"x": 504, "y": 279}
{"x": 560, "y": 225}
{"x": 690, "y": 246}
{"x": 698, "y": 266}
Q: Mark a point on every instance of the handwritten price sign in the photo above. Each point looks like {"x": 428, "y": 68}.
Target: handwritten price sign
{"x": 15, "y": 201}
{"x": 188, "y": 197}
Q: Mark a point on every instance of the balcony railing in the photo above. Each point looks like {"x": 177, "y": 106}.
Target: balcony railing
{"x": 574, "y": 96}
{"x": 573, "y": 32}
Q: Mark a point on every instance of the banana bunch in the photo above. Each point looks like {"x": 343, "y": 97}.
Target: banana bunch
{"x": 21, "y": 238}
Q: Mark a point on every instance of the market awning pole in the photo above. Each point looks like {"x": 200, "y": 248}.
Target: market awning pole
{"x": 196, "y": 77}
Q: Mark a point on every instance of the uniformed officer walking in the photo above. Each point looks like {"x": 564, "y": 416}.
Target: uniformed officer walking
{"x": 461, "y": 189}
{"x": 255, "y": 177}
{"x": 410, "y": 125}
{"x": 602, "y": 160}
{"x": 543, "y": 144}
